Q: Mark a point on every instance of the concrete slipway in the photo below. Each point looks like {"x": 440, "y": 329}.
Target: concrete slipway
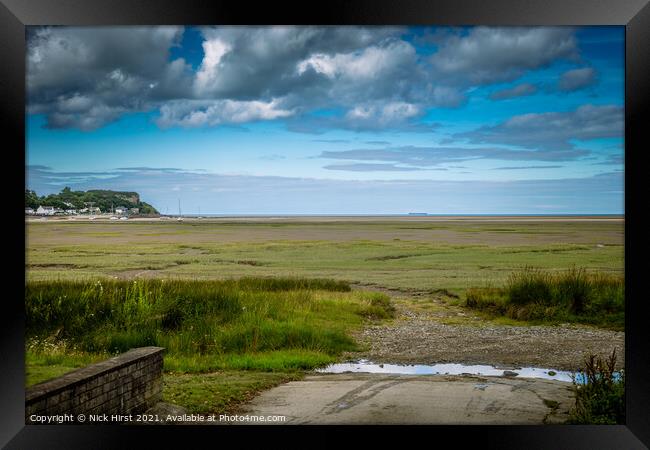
{"x": 363, "y": 398}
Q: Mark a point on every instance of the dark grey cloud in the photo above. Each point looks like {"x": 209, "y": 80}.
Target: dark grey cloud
{"x": 527, "y": 167}
{"x": 491, "y": 54}
{"x": 577, "y": 79}
{"x": 246, "y": 63}
{"x": 519, "y": 90}
{"x": 552, "y": 132}
{"x": 375, "y": 77}
{"x": 85, "y": 77}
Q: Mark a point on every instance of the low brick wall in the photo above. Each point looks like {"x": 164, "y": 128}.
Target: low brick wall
{"x": 129, "y": 383}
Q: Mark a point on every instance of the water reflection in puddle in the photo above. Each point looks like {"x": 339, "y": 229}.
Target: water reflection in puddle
{"x": 364, "y": 366}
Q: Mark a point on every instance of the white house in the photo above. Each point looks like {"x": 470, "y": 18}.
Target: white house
{"x": 29, "y": 211}
{"x": 45, "y": 210}
{"x": 121, "y": 210}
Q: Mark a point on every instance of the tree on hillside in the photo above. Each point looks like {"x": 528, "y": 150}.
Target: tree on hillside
{"x": 31, "y": 199}
{"x": 103, "y": 199}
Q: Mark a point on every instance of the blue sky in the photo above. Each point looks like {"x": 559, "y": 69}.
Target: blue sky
{"x": 331, "y": 120}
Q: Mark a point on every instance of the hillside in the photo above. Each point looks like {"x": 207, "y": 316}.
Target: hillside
{"x": 102, "y": 199}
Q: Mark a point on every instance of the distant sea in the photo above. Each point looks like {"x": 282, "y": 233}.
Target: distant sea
{"x": 398, "y": 215}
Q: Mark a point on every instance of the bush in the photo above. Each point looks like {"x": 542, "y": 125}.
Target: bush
{"x": 570, "y": 296}
{"x": 529, "y": 286}
{"x": 575, "y": 289}
{"x": 601, "y": 399}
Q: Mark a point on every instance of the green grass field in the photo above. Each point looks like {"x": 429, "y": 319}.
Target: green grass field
{"x": 426, "y": 255}
{"x": 228, "y": 339}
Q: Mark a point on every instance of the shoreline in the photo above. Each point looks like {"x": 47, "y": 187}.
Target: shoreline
{"x": 342, "y": 218}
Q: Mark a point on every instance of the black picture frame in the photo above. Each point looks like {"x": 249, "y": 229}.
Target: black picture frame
{"x": 633, "y": 14}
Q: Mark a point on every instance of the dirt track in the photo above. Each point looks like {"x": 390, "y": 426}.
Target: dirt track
{"x": 421, "y": 336}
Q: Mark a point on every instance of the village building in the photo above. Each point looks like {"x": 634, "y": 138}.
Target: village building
{"x": 45, "y": 210}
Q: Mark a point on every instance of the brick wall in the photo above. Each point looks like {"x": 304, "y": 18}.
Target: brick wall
{"x": 126, "y": 384}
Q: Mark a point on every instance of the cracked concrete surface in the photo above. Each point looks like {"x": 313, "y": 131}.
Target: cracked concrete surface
{"x": 407, "y": 399}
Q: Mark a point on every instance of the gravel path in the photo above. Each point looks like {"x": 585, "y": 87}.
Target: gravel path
{"x": 419, "y": 336}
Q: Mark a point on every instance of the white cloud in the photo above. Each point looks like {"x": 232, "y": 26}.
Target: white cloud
{"x": 371, "y": 62}
{"x": 378, "y": 115}
{"x": 206, "y": 77}
{"x": 197, "y": 113}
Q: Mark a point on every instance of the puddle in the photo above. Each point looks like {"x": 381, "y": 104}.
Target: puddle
{"x": 364, "y": 366}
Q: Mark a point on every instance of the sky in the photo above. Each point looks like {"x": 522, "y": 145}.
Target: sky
{"x": 331, "y": 120}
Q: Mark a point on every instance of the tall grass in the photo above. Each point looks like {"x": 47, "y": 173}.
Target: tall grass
{"x": 573, "y": 295}
{"x": 601, "y": 398}
{"x": 202, "y": 318}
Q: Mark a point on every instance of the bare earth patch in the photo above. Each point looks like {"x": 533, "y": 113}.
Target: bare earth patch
{"x": 419, "y": 335}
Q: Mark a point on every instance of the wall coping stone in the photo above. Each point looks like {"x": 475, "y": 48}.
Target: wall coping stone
{"x": 84, "y": 374}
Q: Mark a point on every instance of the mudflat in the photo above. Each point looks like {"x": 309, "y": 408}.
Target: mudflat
{"x": 423, "y": 253}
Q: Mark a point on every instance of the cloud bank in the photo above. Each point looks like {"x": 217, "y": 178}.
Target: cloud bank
{"x": 230, "y": 194}
{"x": 85, "y": 78}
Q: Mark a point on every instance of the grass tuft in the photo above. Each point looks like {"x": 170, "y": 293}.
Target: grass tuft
{"x": 571, "y": 296}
